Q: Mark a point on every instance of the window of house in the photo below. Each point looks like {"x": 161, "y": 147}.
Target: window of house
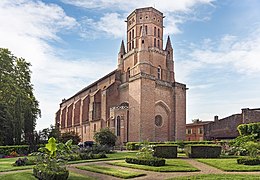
{"x": 154, "y": 31}
{"x": 158, "y": 33}
{"x": 129, "y": 46}
{"x": 159, "y": 72}
{"x": 130, "y": 36}
{"x": 133, "y": 33}
{"x": 154, "y": 42}
{"x": 188, "y": 131}
{"x": 146, "y": 30}
{"x": 133, "y": 45}
{"x": 118, "y": 126}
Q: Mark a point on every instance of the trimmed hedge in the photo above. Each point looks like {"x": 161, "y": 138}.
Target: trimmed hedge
{"x": 165, "y": 151}
{"x": 148, "y": 162}
{"x": 249, "y": 161}
{"x": 203, "y": 151}
{"x": 181, "y": 144}
{"x": 43, "y": 173}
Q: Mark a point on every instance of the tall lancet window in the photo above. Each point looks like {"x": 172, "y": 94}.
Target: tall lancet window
{"x": 118, "y": 126}
{"x": 159, "y": 72}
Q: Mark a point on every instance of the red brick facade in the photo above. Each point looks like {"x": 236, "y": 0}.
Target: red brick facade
{"x": 138, "y": 101}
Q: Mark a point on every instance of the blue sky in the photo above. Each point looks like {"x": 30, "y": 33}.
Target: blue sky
{"x": 71, "y": 43}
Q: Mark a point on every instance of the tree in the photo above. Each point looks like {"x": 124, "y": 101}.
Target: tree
{"x": 16, "y": 95}
{"x": 70, "y": 135}
{"x": 105, "y": 137}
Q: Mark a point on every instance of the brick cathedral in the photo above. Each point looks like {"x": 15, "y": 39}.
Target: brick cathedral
{"x": 140, "y": 100}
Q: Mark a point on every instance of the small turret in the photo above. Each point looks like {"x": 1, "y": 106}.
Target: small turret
{"x": 169, "y": 57}
{"x": 168, "y": 44}
{"x": 121, "y": 55}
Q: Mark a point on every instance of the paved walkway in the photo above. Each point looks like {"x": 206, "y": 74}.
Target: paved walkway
{"x": 150, "y": 175}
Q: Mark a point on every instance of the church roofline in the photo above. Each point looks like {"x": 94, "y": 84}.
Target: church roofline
{"x": 145, "y": 9}
{"x": 89, "y": 86}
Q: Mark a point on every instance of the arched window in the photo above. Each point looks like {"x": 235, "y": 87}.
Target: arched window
{"x": 158, "y": 32}
{"x": 154, "y": 43}
{"x": 129, "y": 46}
{"x": 141, "y": 30}
{"x": 159, "y": 72}
{"x": 133, "y": 34}
{"x": 133, "y": 44}
{"x": 154, "y": 31}
{"x": 118, "y": 126}
{"x": 146, "y": 30}
{"x": 130, "y": 36}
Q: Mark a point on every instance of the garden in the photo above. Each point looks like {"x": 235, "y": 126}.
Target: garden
{"x": 58, "y": 160}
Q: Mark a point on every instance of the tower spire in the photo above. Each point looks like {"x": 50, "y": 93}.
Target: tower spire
{"x": 168, "y": 44}
{"x": 122, "y": 48}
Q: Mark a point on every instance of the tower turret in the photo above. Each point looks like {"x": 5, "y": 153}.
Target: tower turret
{"x": 121, "y": 55}
{"x": 169, "y": 57}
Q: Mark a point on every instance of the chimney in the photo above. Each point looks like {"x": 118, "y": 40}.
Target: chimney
{"x": 215, "y": 118}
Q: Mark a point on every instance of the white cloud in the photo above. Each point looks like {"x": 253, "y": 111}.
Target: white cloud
{"x": 27, "y": 28}
{"x": 111, "y": 24}
{"x": 177, "y": 12}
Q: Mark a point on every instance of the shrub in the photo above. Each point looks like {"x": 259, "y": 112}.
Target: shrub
{"x": 249, "y": 129}
{"x": 23, "y": 162}
{"x": 105, "y": 137}
{"x": 20, "y": 149}
{"x": 165, "y": 151}
{"x": 148, "y": 162}
{"x": 133, "y": 146}
{"x": 41, "y": 172}
{"x": 249, "y": 160}
{"x": 203, "y": 151}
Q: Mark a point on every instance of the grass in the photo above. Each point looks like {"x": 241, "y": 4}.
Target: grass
{"x": 6, "y": 165}
{"x": 229, "y": 165}
{"x": 172, "y": 165}
{"x": 111, "y": 171}
{"x": 29, "y": 176}
{"x": 218, "y": 177}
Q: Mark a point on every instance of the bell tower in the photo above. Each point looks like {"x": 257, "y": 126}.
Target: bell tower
{"x": 145, "y": 29}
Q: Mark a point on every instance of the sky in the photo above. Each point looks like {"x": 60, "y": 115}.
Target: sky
{"x": 72, "y": 43}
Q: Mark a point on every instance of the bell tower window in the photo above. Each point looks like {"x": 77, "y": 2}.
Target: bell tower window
{"x": 159, "y": 72}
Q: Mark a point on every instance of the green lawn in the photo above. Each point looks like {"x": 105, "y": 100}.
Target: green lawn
{"x": 172, "y": 165}
{"x": 218, "y": 177}
{"x": 111, "y": 171}
{"x": 28, "y": 176}
{"x": 6, "y": 165}
{"x": 229, "y": 164}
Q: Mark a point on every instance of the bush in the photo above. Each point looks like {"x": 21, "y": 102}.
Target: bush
{"x": 19, "y": 149}
{"x": 148, "y": 162}
{"x": 23, "y": 162}
{"x": 249, "y": 161}
{"x": 249, "y": 129}
{"x": 165, "y": 151}
{"x": 133, "y": 146}
{"x": 105, "y": 137}
{"x": 90, "y": 155}
{"x": 42, "y": 172}
{"x": 203, "y": 151}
